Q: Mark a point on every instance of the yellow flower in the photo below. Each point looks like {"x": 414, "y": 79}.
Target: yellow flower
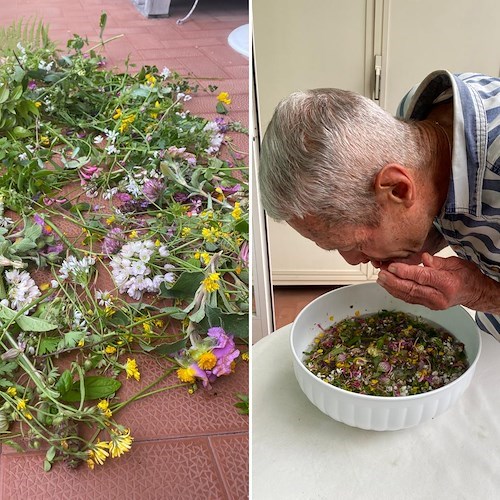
{"x": 44, "y": 286}
{"x": 220, "y": 193}
{"x": 103, "y": 405}
{"x": 126, "y": 122}
{"x": 110, "y": 220}
{"x": 224, "y": 97}
{"x": 205, "y": 257}
{"x": 131, "y": 369}
{"x": 207, "y": 361}
{"x": 236, "y": 213}
{"x": 186, "y": 375}
{"x": 150, "y": 79}
{"x": 158, "y": 323}
{"x": 118, "y": 113}
{"x": 110, "y": 349}
{"x": 133, "y": 234}
{"x": 211, "y": 282}
{"x": 210, "y": 234}
{"x": 185, "y": 231}
{"x": 12, "y": 391}
{"x": 90, "y": 463}
{"x": 81, "y": 343}
{"x": 120, "y": 443}
{"x": 21, "y": 404}
{"x": 157, "y": 243}
{"x": 38, "y": 104}
{"x": 44, "y": 140}
{"x": 99, "y": 452}
{"x": 245, "y": 356}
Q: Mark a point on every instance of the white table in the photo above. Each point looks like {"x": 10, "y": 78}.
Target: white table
{"x": 300, "y": 453}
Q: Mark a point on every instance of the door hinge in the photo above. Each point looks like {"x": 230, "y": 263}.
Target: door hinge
{"x": 378, "y": 78}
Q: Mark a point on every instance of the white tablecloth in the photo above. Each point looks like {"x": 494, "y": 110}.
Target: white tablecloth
{"x": 300, "y": 453}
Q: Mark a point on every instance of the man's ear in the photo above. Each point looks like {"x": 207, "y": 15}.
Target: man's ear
{"x": 395, "y": 184}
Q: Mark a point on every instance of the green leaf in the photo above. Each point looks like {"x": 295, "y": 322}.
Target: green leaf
{"x": 64, "y": 382}
{"x": 4, "y": 93}
{"x": 174, "y": 312}
{"x": 242, "y": 226}
{"x": 30, "y": 324}
{"x": 184, "y": 288}
{"x": 47, "y": 465}
{"x": 22, "y": 245}
{"x": 233, "y": 323}
{"x": 96, "y": 387}
{"x": 72, "y": 338}
{"x": 51, "y": 454}
{"x": 33, "y": 231}
{"x": 170, "y": 348}
{"x": 48, "y": 345}
{"x": 221, "y": 108}
{"x": 7, "y": 368}
{"x": 198, "y": 316}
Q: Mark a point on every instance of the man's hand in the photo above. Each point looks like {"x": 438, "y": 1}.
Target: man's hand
{"x": 442, "y": 283}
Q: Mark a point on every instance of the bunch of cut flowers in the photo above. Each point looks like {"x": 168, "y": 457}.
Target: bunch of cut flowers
{"x": 123, "y": 234}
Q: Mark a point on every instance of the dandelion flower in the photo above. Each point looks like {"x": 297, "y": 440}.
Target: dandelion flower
{"x": 120, "y": 443}
{"x": 132, "y": 370}
{"x": 99, "y": 452}
{"x": 236, "y": 213}
{"x": 224, "y": 98}
{"x": 186, "y": 375}
{"x": 103, "y": 405}
{"x": 211, "y": 282}
{"x": 207, "y": 361}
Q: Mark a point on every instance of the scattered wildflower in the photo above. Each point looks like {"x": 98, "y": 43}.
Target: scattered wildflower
{"x": 22, "y": 289}
{"x": 99, "y": 452}
{"x": 224, "y": 98}
{"x": 120, "y": 442}
{"x": 236, "y": 213}
{"x": 103, "y": 405}
{"x": 76, "y": 270}
{"x": 132, "y": 370}
{"x": 12, "y": 391}
{"x": 211, "y": 282}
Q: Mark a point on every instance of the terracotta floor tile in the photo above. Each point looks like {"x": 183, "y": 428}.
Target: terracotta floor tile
{"x": 232, "y": 456}
{"x": 164, "y": 470}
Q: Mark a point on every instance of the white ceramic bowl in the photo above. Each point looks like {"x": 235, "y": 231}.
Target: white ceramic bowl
{"x": 377, "y": 412}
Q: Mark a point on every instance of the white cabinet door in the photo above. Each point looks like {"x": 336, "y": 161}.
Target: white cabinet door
{"x": 421, "y": 36}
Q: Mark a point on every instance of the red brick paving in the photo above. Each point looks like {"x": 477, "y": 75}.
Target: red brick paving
{"x": 186, "y": 446}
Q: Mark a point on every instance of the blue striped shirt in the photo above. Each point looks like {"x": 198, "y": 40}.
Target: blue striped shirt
{"x": 470, "y": 217}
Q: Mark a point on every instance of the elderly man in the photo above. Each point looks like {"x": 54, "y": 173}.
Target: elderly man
{"x": 393, "y": 191}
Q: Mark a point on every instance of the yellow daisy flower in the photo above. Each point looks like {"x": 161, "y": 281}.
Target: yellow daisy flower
{"x": 120, "y": 443}
{"x": 132, "y": 370}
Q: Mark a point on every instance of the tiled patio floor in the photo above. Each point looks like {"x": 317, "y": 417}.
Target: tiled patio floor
{"x": 186, "y": 446}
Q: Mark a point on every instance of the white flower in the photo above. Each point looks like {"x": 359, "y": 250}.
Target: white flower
{"x": 180, "y": 95}
{"x": 76, "y": 270}
{"x": 165, "y": 73}
{"x": 187, "y": 98}
{"x": 111, "y": 134}
{"x": 98, "y": 139}
{"x": 163, "y": 251}
{"x": 45, "y": 66}
{"x": 111, "y": 149}
{"x": 6, "y": 222}
{"x": 22, "y": 289}
{"x": 22, "y": 157}
{"x": 104, "y": 299}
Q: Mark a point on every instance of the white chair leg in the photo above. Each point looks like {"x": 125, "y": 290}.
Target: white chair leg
{"x": 184, "y": 19}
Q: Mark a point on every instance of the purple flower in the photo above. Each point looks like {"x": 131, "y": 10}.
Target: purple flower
{"x": 243, "y": 255}
{"x": 180, "y": 197}
{"x": 113, "y": 241}
{"x": 123, "y": 197}
{"x": 153, "y": 189}
{"x": 46, "y": 230}
{"x": 32, "y": 85}
{"x": 227, "y": 190}
{"x": 225, "y": 351}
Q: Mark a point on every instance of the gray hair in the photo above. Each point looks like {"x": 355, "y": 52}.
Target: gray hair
{"x": 322, "y": 151}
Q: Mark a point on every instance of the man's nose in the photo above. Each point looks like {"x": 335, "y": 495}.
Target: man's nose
{"x": 354, "y": 257}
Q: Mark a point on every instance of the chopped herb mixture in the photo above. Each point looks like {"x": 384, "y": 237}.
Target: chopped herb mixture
{"x": 386, "y": 354}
